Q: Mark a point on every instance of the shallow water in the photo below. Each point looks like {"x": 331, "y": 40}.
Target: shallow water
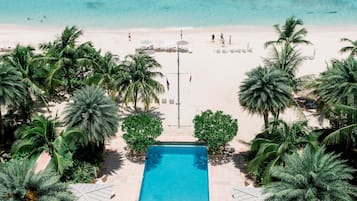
{"x": 174, "y": 13}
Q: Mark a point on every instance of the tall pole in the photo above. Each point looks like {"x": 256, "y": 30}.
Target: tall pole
{"x": 178, "y": 86}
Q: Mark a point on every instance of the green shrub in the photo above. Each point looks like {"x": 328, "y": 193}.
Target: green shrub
{"x": 141, "y": 130}
{"x": 215, "y": 129}
{"x": 80, "y": 172}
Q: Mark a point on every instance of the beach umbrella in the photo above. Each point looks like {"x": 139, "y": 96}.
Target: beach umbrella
{"x": 92, "y": 192}
{"x": 145, "y": 42}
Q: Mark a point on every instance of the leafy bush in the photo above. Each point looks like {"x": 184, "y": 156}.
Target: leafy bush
{"x": 80, "y": 172}
{"x": 215, "y": 129}
{"x": 141, "y": 130}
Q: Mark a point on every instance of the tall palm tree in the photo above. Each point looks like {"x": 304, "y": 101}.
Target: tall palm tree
{"x": 288, "y": 33}
{"x": 266, "y": 90}
{"x": 312, "y": 175}
{"x": 67, "y": 57}
{"x": 279, "y": 139}
{"x": 18, "y": 182}
{"x": 288, "y": 59}
{"x": 12, "y": 90}
{"x": 91, "y": 111}
{"x": 352, "y": 48}
{"x": 138, "y": 79}
{"x": 41, "y": 135}
{"x": 24, "y": 60}
{"x": 106, "y": 73}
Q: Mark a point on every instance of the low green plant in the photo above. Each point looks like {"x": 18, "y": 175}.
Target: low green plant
{"x": 215, "y": 128}
{"x": 80, "y": 172}
{"x": 141, "y": 130}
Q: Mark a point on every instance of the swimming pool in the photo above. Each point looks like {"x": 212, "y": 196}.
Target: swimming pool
{"x": 175, "y": 173}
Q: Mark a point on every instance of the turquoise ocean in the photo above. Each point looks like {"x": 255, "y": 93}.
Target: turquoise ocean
{"x": 174, "y": 13}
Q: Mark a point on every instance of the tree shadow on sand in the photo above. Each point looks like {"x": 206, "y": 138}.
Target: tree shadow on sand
{"x": 240, "y": 162}
{"x": 113, "y": 161}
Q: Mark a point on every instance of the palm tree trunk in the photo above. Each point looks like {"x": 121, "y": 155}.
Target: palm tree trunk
{"x": 135, "y": 99}
{"x": 266, "y": 120}
{"x": 68, "y": 77}
{"x": 2, "y": 131}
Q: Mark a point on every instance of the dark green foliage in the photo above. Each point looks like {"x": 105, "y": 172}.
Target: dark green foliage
{"x": 280, "y": 138}
{"x": 264, "y": 91}
{"x": 91, "y": 111}
{"x": 338, "y": 83}
{"x": 288, "y": 59}
{"x": 312, "y": 176}
{"x": 12, "y": 91}
{"x": 41, "y": 135}
{"x": 138, "y": 79}
{"x": 18, "y": 182}
{"x": 67, "y": 61}
{"x": 80, "y": 172}
{"x": 106, "y": 73}
{"x": 141, "y": 130}
{"x": 215, "y": 128}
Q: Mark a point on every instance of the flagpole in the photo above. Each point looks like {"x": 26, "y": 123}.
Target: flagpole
{"x": 178, "y": 86}
{"x": 181, "y": 42}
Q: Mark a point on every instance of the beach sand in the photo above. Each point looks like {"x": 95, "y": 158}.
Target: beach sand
{"x": 215, "y": 79}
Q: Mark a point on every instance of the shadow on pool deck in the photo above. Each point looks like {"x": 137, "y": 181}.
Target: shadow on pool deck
{"x": 113, "y": 161}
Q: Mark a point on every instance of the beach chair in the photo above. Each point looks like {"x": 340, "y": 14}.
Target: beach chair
{"x": 171, "y": 101}
{"x": 163, "y": 101}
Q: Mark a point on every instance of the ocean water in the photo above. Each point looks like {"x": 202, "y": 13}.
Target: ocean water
{"x": 175, "y": 173}
{"x": 174, "y": 13}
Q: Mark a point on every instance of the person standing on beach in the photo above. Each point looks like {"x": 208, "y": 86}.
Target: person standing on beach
{"x": 222, "y": 39}
{"x": 129, "y": 36}
{"x": 181, "y": 34}
{"x": 213, "y": 38}
{"x": 230, "y": 39}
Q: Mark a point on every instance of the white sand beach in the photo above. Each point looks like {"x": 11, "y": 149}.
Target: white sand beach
{"x": 214, "y": 84}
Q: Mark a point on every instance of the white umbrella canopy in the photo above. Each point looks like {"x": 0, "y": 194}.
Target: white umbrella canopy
{"x": 247, "y": 194}
{"x": 92, "y": 192}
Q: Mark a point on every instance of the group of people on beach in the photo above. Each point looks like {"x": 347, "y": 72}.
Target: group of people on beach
{"x": 41, "y": 20}
{"x": 222, "y": 40}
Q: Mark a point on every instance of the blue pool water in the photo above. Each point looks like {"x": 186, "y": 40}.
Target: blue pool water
{"x": 175, "y": 173}
{"x": 174, "y": 13}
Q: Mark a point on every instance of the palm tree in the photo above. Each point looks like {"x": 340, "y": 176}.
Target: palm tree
{"x": 12, "y": 90}
{"x": 312, "y": 175}
{"x": 138, "y": 79}
{"x": 338, "y": 83}
{"x": 266, "y": 90}
{"x": 343, "y": 120}
{"x": 67, "y": 57}
{"x": 18, "y": 182}
{"x": 352, "y": 48}
{"x": 288, "y": 59}
{"x": 106, "y": 73}
{"x": 41, "y": 135}
{"x": 24, "y": 60}
{"x": 279, "y": 139}
{"x": 288, "y": 34}
{"x": 94, "y": 113}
